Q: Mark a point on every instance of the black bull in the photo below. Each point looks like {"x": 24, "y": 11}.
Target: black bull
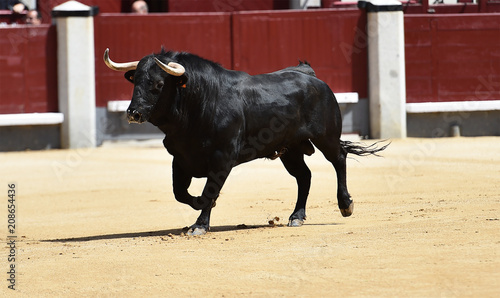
{"x": 215, "y": 119}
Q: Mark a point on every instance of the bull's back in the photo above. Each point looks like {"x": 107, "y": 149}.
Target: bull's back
{"x": 287, "y": 94}
{"x": 284, "y": 108}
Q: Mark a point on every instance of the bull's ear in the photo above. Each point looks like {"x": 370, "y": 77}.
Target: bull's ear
{"x": 182, "y": 80}
{"x": 129, "y": 75}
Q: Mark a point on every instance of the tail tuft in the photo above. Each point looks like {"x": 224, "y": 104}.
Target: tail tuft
{"x": 362, "y": 150}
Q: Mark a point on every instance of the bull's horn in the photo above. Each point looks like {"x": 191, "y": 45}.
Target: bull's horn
{"x": 172, "y": 68}
{"x": 119, "y": 66}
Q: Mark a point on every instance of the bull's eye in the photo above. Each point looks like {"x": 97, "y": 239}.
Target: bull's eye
{"x": 159, "y": 85}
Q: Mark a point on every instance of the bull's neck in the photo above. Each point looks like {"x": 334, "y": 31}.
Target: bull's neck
{"x": 167, "y": 128}
{"x": 168, "y": 124}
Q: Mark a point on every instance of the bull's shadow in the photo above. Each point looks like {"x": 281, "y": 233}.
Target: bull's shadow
{"x": 177, "y": 232}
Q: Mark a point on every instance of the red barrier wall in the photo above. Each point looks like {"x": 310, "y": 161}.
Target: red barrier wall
{"x": 448, "y": 57}
{"x": 261, "y": 42}
{"x": 332, "y": 41}
{"x": 132, "y": 37}
{"x": 28, "y": 64}
{"x": 452, "y": 57}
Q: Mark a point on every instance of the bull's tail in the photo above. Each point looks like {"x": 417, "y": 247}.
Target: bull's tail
{"x": 361, "y": 149}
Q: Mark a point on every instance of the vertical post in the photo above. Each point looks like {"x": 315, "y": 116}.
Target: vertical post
{"x": 483, "y": 5}
{"x": 304, "y": 4}
{"x": 30, "y": 3}
{"x": 386, "y": 68}
{"x": 76, "y": 73}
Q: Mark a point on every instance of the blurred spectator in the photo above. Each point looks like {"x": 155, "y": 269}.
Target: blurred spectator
{"x": 140, "y": 7}
{"x": 15, "y": 6}
{"x": 33, "y": 17}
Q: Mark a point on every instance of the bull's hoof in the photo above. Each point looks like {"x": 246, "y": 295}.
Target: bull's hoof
{"x": 347, "y": 212}
{"x": 295, "y": 222}
{"x": 196, "y": 231}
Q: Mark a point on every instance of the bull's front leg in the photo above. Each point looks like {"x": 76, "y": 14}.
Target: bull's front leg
{"x": 181, "y": 181}
{"x": 215, "y": 181}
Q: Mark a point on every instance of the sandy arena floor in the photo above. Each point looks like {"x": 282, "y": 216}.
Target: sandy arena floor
{"x": 104, "y": 222}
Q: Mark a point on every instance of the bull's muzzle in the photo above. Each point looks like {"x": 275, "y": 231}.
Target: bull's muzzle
{"x": 134, "y": 116}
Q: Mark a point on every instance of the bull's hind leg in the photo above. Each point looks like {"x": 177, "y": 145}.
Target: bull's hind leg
{"x": 293, "y": 160}
{"x": 334, "y": 152}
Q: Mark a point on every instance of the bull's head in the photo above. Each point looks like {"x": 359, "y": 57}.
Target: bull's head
{"x": 149, "y": 82}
